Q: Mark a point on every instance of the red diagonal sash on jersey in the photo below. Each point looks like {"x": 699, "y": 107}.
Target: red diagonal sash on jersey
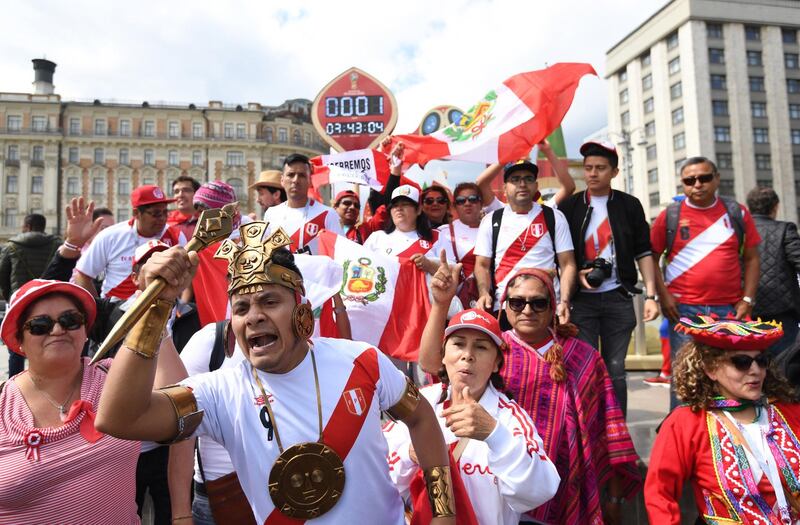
{"x": 310, "y": 230}
{"x": 468, "y": 262}
{"x": 344, "y": 425}
{"x": 603, "y": 234}
{"x": 419, "y": 246}
{"x": 527, "y": 240}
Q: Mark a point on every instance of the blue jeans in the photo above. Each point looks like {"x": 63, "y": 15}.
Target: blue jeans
{"x": 677, "y": 340}
{"x": 201, "y": 510}
{"x": 605, "y": 321}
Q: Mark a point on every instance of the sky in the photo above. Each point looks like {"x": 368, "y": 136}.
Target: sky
{"x": 427, "y": 52}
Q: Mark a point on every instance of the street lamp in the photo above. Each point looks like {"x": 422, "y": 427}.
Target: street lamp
{"x": 624, "y": 140}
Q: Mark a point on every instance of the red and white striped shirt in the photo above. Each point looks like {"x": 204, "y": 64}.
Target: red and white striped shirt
{"x": 73, "y": 481}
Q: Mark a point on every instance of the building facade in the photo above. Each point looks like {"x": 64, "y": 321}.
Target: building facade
{"x": 717, "y": 78}
{"x": 53, "y": 150}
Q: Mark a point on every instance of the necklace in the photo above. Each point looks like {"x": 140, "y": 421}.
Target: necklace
{"x": 737, "y": 405}
{"x": 62, "y": 408}
{"x": 307, "y": 479}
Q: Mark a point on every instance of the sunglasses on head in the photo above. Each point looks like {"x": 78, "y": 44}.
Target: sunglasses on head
{"x": 437, "y": 200}
{"x": 43, "y": 324}
{"x": 537, "y": 304}
{"x": 472, "y": 199}
{"x": 704, "y": 179}
{"x": 743, "y": 362}
{"x": 347, "y": 204}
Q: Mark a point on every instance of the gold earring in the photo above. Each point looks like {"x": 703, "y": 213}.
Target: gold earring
{"x": 303, "y": 321}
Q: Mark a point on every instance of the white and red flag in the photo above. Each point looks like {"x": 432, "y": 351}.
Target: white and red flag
{"x": 507, "y": 123}
{"x": 387, "y": 301}
{"x": 366, "y": 167}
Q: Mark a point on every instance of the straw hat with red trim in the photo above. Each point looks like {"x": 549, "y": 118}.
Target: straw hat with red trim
{"x": 30, "y": 292}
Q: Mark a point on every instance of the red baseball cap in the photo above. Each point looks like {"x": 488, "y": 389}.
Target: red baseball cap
{"x": 345, "y": 193}
{"x": 36, "y": 289}
{"x": 476, "y": 319}
{"x": 147, "y": 249}
{"x": 593, "y": 145}
{"x": 144, "y": 195}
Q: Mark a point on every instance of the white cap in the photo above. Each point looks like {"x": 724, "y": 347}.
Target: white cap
{"x": 407, "y": 191}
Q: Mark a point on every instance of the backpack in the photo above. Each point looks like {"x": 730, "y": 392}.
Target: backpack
{"x": 731, "y": 206}
{"x": 497, "y": 219}
{"x": 221, "y": 343}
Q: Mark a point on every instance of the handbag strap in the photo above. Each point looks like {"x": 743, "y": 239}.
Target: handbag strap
{"x": 453, "y": 241}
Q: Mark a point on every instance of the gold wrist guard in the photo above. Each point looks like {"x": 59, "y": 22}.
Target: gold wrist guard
{"x": 407, "y": 404}
{"x": 440, "y": 492}
{"x": 186, "y": 413}
{"x": 144, "y": 338}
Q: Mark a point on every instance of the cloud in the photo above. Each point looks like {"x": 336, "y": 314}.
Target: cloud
{"x": 428, "y": 53}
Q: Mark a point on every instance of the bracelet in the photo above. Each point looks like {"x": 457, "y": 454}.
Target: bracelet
{"x": 144, "y": 339}
{"x": 68, "y": 245}
{"x": 179, "y": 518}
{"x": 440, "y": 492}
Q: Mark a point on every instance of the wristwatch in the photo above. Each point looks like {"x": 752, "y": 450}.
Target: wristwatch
{"x": 653, "y": 297}
{"x": 748, "y": 300}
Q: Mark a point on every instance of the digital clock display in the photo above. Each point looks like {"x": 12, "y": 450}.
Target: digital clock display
{"x": 359, "y": 127}
{"x": 354, "y": 111}
{"x": 354, "y": 106}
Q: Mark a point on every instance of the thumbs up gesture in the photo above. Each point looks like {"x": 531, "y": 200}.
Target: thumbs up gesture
{"x": 466, "y": 417}
{"x": 444, "y": 282}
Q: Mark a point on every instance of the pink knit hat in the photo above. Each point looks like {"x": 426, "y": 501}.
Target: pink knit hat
{"x": 214, "y": 194}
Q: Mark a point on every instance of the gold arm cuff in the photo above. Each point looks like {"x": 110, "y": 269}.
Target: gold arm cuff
{"x": 186, "y": 413}
{"x": 407, "y": 404}
{"x": 440, "y": 492}
{"x": 144, "y": 339}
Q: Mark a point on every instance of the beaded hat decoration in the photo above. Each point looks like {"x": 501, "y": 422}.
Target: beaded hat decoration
{"x": 730, "y": 333}
{"x": 250, "y": 265}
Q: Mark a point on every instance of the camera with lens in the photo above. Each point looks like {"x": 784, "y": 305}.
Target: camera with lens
{"x": 600, "y": 271}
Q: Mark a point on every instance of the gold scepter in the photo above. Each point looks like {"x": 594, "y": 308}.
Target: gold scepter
{"x": 212, "y": 226}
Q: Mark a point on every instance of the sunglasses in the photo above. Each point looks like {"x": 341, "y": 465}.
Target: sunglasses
{"x": 43, "y": 324}
{"x": 437, "y": 200}
{"x": 472, "y": 199}
{"x": 743, "y": 362}
{"x": 537, "y": 304}
{"x": 516, "y": 179}
{"x": 704, "y": 179}
{"x": 347, "y": 204}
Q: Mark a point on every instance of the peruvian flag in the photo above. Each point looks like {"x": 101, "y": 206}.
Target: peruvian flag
{"x": 387, "y": 301}
{"x": 507, "y": 123}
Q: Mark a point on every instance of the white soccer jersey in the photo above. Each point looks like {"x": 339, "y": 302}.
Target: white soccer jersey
{"x": 505, "y": 476}
{"x": 403, "y": 244}
{"x": 303, "y": 224}
{"x": 465, "y": 237}
{"x": 599, "y": 242}
{"x": 523, "y": 242}
{"x": 355, "y": 379}
{"x": 112, "y": 252}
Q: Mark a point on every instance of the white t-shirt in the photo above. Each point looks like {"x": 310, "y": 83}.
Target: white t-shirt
{"x": 303, "y": 224}
{"x": 599, "y": 242}
{"x": 523, "y": 242}
{"x": 233, "y": 404}
{"x": 112, "y": 252}
{"x": 465, "y": 237}
{"x": 403, "y": 244}
{"x": 505, "y": 475}
{"x": 195, "y": 356}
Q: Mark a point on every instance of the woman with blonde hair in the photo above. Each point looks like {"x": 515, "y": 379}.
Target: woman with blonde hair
{"x": 735, "y": 438}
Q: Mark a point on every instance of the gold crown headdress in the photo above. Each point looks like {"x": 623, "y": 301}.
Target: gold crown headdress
{"x": 250, "y": 264}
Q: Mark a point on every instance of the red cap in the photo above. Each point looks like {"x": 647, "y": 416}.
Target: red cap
{"x": 144, "y": 195}
{"x": 593, "y": 144}
{"x": 730, "y": 333}
{"x": 476, "y": 319}
{"x": 147, "y": 249}
{"x": 345, "y": 193}
{"x": 30, "y": 292}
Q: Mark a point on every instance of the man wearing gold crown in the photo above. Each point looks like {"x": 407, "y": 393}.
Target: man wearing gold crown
{"x": 300, "y": 418}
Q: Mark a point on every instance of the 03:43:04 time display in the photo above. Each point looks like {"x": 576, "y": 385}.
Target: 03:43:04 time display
{"x": 370, "y": 127}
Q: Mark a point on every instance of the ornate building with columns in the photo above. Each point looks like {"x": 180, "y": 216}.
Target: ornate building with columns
{"x": 52, "y": 150}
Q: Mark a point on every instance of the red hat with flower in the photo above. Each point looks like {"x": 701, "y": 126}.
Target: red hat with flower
{"x": 730, "y": 333}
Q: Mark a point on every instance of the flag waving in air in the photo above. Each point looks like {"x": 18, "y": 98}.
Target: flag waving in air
{"x": 507, "y": 123}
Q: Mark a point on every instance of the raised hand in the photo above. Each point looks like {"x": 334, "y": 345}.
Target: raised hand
{"x": 80, "y": 227}
{"x": 444, "y": 282}
{"x": 466, "y": 417}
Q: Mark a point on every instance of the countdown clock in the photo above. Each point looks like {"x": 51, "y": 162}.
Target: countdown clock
{"x": 354, "y": 111}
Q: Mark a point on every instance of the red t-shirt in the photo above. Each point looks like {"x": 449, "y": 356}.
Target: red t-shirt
{"x": 703, "y": 266}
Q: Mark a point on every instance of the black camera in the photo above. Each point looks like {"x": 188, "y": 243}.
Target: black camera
{"x": 600, "y": 271}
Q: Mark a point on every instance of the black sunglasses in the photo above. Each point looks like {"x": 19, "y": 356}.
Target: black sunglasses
{"x": 347, "y": 204}
{"x": 704, "y": 179}
{"x": 743, "y": 362}
{"x": 43, "y": 324}
{"x": 537, "y": 304}
{"x": 437, "y": 200}
{"x": 472, "y": 199}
